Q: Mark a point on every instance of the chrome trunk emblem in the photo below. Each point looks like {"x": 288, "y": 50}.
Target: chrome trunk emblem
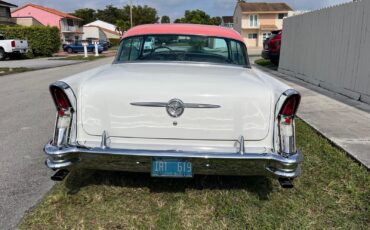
{"x": 175, "y": 107}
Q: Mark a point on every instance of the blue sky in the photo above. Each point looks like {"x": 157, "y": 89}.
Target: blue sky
{"x": 176, "y": 8}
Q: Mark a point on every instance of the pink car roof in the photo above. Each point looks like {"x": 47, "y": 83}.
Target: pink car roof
{"x": 184, "y": 29}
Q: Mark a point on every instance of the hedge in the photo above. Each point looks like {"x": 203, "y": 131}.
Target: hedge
{"x": 114, "y": 41}
{"x": 42, "y": 40}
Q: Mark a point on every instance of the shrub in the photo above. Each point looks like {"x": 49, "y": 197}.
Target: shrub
{"x": 114, "y": 41}
{"x": 42, "y": 40}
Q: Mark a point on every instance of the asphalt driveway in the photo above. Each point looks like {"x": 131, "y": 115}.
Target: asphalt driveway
{"x": 27, "y": 117}
{"x": 37, "y": 63}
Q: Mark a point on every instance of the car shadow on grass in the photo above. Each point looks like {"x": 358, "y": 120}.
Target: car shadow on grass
{"x": 259, "y": 185}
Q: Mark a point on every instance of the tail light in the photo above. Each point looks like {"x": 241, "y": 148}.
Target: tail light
{"x": 13, "y": 44}
{"x": 64, "y": 115}
{"x": 287, "y": 125}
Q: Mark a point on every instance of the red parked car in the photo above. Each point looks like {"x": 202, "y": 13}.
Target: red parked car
{"x": 271, "y": 47}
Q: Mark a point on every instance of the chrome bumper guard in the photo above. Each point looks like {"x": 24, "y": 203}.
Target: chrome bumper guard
{"x": 207, "y": 163}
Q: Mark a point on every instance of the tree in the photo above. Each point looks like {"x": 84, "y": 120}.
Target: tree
{"x": 198, "y": 17}
{"x": 86, "y": 14}
{"x": 110, "y": 14}
{"x": 216, "y": 21}
{"x": 165, "y": 19}
{"x": 140, "y": 14}
{"x": 122, "y": 26}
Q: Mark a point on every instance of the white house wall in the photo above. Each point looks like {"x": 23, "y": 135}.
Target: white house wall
{"x": 93, "y": 32}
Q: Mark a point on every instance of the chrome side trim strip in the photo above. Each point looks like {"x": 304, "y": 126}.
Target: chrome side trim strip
{"x": 150, "y": 104}
{"x": 186, "y": 105}
{"x": 201, "y": 106}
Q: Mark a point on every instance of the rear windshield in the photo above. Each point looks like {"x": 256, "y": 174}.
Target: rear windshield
{"x": 183, "y": 48}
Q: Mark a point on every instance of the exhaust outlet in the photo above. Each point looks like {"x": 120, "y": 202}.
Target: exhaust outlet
{"x": 286, "y": 182}
{"x": 60, "y": 175}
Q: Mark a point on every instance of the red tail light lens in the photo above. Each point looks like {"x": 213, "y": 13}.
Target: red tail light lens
{"x": 290, "y": 106}
{"x": 60, "y": 98}
{"x": 13, "y": 44}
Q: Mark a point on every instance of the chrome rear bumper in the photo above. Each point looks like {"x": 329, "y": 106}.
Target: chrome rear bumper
{"x": 208, "y": 163}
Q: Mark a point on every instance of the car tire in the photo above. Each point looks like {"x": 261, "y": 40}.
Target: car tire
{"x": 275, "y": 61}
{"x": 16, "y": 56}
{"x": 69, "y": 50}
{"x": 2, "y": 54}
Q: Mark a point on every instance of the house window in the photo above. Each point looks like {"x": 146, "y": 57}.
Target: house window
{"x": 253, "y": 20}
{"x": 229, "y": 25}
{"x": 252, "y": 36}
{"x": 266, "y": 35}
{"x": 282, "y": 16}
{"x": 70, "y": 22}
{"x": 4, "y": 12}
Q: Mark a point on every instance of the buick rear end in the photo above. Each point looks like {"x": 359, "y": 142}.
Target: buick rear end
{"x": 175, "y": 106}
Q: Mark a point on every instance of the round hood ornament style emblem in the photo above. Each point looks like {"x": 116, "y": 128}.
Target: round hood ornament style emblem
{"x": 175, "y": 108}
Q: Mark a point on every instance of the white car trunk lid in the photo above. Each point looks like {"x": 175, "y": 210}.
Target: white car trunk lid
{"x": 243, "y": 99}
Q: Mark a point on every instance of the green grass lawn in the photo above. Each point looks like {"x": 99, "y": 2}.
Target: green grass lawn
{"x": 6, "y": 70}
{"x": 266, "y": 63}
{"x": 332, "y": 193}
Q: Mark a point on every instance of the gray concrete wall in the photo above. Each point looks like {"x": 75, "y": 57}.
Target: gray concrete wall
{"x": 330, "y": 48}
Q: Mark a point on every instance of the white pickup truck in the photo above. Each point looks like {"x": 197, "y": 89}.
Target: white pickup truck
{"x": 12, "y": 47}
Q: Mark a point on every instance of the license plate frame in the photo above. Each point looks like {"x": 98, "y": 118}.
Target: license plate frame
{"x": 171, "y": 167}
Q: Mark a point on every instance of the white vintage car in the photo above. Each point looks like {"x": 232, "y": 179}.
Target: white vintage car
{"x": 178, "y": 100}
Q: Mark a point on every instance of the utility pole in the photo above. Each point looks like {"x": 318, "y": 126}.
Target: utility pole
{"x": 131, "y": 13}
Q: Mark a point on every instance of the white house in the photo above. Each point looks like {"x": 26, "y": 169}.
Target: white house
{"x": 108, "y": 29}
{"x": 93, "y": 33}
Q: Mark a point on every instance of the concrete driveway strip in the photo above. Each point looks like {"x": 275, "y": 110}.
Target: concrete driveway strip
{"x": 340, "y": 119}
{"x": 26, "y": 124}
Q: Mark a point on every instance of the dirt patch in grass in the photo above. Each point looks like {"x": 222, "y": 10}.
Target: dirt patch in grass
{"x": 333, "y": 192}
{"x": 7, "y": 71}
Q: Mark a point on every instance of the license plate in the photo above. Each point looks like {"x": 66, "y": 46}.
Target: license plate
{"x": 163, "y": 167}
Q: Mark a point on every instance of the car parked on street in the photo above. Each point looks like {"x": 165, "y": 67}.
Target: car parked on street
{"x": 12, "y": 47}
{"x": 271, "y": 47}
{"x": 78, "y": 47}
{"x": 178, "y": 100}
{"x": 106, "y": 44}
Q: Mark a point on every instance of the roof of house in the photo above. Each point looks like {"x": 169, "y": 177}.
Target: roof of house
{"x": 264, "y": 7}
{"x": 50, "y": 10}
{"x": 228, "y": 19}
{"x": 7, "y": 4}
{"x": 103, "y": 29}
{"x": 184, "y": 29}
{"x": 102, "y": 24}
